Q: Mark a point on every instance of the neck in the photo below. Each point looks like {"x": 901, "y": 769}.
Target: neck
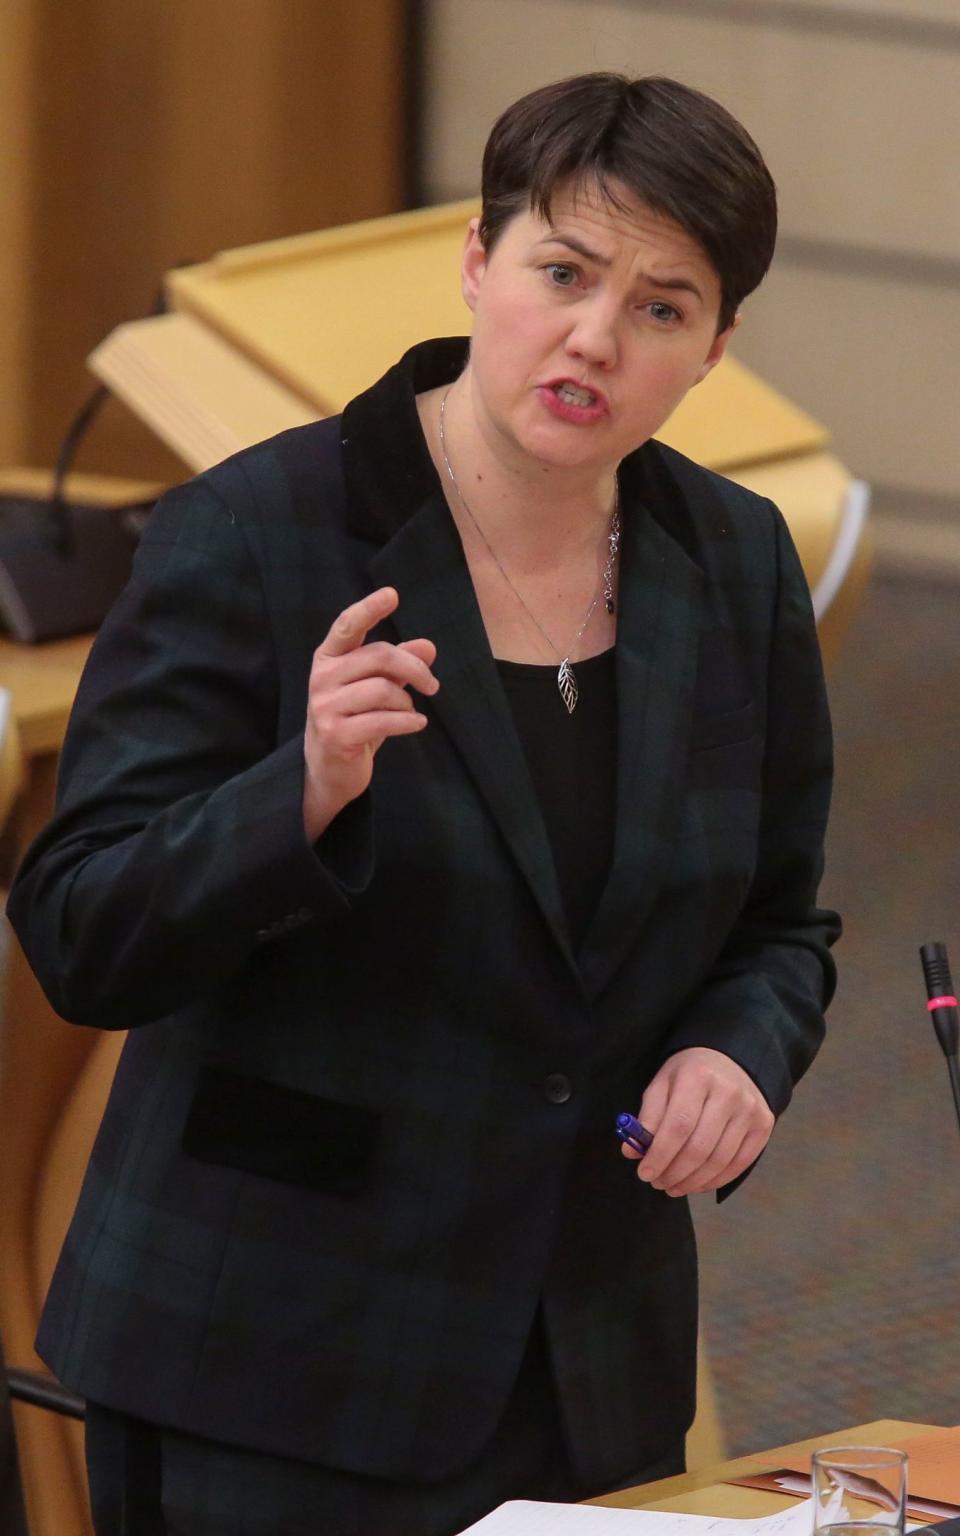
{"x": 522, "y": 504}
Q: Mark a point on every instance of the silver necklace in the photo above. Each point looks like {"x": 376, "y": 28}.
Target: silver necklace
{"x": 566, "y": 677}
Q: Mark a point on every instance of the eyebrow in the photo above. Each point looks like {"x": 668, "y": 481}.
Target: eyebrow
{"x": 674, "y": 284}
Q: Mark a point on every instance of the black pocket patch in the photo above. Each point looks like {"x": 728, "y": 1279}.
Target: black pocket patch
{"x": 281, "y": 1133}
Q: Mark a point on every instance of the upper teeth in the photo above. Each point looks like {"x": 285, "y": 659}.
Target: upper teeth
{"x": 574, "y": 395}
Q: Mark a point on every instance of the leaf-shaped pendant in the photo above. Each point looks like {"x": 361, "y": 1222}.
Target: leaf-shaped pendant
{"x": 567, "y": 683}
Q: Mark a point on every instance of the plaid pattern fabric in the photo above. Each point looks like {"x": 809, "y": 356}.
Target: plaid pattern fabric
{"x": 145, "y": 1479}
{"x": 336, "y": 1176}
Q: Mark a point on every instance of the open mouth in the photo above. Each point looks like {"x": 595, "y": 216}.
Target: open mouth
{"x": 574, "y": 394}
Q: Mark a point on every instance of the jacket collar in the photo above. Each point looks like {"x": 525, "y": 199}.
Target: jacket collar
{"x": 396, "y": 501}
{"x": 388, "y": 468}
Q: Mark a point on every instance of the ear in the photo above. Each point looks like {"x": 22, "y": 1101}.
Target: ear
{"x": 717, "y": 348}
{"x": 473, "y": 264}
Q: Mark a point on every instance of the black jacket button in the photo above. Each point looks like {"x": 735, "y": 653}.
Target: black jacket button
{"x": 558, "y": 1088}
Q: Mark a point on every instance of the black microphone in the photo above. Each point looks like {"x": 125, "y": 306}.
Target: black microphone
{"x": 63, "y": 563}
{"x": 942, "y": 1006}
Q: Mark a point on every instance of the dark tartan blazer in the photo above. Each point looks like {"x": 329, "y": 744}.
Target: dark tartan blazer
{"x": 363, "y": 1123}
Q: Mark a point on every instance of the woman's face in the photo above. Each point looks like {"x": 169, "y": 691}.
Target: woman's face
{"x": 588, "y": 330}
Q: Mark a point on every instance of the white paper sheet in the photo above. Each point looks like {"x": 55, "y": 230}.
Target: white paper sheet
{"x": 522, "y": 1518}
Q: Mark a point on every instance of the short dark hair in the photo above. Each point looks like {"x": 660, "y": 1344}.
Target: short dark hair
{"x": 678, "y": 151}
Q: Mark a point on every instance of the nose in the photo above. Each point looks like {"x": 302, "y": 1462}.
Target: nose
{"x": 592, "y": 338}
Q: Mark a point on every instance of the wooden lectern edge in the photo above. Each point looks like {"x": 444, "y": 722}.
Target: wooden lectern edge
{"x": 727, "y": 466}
{"x": 669, "y": 1489}
{"x": 291, "y": 248}
{"x": 190, "y": 303}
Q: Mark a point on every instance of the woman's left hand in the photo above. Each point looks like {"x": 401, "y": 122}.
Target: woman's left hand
{"x": 709, "y": 1121}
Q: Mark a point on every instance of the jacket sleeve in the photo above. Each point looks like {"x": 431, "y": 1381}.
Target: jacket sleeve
{"x": 178, "y": 842}
{"x": 763, "y": 1000}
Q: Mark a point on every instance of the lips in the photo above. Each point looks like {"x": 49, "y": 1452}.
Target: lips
{"x": 578, "y": 395}
{"x": 577, "y": 404}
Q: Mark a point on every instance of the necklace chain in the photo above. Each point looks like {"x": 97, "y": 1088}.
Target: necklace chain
{"x": 566, "y": 678}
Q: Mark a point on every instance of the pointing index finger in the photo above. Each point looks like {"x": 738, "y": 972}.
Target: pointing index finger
{"x": 352, "y": 626}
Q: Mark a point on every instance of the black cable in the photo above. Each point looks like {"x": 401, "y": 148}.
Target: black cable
{"x": 57, "y": 523}
{"x": 57, "y": 527}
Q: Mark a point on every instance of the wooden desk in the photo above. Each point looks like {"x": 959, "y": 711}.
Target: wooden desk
{"x": 43, "y": 680}
{"x": 706, "y": 1492}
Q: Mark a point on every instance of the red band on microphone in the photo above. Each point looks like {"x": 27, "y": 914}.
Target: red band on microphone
{"x": 941, "y": 1002}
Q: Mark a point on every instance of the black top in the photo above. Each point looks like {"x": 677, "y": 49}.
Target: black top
{"x": 573, "y": 764}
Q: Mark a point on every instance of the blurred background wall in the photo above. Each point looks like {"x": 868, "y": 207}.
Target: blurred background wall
{"x": 856, "y": 105}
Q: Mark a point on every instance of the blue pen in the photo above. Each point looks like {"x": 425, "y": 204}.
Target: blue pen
{"x": 634, "y": 1134}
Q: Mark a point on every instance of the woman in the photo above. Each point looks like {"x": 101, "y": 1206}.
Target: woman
{"x": 451, "y": 777}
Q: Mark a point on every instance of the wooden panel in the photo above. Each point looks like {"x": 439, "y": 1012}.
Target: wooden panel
{"x": 15, "y": 163}
{"x": 166, "y": 132}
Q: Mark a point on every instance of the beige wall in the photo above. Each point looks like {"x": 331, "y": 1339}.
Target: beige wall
{"x": 857, "y": 106}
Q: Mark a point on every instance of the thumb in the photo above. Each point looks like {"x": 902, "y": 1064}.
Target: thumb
{"x": 424, "y": 650}
{"x": 653, "y": 1105}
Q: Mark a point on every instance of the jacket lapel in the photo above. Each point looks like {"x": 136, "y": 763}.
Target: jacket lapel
{"x": 395, "y": 501}
{"x": 424, "y": 561}
{"x": 657, "y": 640}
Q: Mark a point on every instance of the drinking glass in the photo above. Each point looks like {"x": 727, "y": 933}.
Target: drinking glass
{"x": 859, "y": 1490}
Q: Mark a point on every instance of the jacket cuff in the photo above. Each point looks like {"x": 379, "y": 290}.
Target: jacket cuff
{"x": 298, "y": 882}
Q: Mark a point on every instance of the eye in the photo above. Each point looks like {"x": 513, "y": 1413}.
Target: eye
{"x": 664, "y": 313}
{"x": 561, "y": 274}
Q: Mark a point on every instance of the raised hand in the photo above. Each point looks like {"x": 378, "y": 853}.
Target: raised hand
{"x": 357, "y": 697}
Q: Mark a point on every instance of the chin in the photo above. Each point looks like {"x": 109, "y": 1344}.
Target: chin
{"x": 570, "y": 449}
{"x": 553, "y": 456}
